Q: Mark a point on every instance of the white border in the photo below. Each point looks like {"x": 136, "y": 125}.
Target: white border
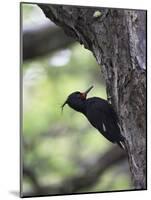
{"x": 9, "y": 97}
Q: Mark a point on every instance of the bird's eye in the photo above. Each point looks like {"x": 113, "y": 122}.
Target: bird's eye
{"x": 82, "y": 96}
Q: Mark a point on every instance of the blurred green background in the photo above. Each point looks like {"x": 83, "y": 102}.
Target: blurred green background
{"x": 56, "y": 146}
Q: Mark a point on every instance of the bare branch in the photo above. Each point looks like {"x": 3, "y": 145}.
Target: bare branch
{"x": 44, "y": 39}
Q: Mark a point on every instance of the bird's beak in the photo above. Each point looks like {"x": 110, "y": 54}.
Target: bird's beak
{"x": 88, "y": 90}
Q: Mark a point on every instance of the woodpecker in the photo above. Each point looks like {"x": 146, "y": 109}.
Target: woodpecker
{"x": 99, "y": 113}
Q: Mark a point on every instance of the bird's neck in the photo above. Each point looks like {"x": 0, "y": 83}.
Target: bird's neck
{"x": 80, "y": 107}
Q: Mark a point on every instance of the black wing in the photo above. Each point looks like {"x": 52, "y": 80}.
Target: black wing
{"x": 102, "y": 116}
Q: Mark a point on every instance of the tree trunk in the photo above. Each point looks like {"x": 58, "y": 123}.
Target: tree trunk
{"x": 117, "y": 38}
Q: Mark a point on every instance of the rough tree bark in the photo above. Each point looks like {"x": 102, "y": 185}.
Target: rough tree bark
{"x": 117, "y": 39}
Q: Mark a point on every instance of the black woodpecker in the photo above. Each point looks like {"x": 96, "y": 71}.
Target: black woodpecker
{"x": 99, "y": 113}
